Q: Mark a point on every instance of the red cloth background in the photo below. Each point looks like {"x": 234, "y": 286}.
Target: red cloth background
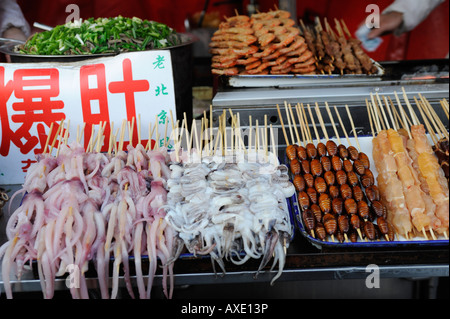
{"x": 429, "y": 40}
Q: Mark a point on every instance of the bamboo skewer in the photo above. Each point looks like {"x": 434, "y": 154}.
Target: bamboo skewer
{"x": 433, "y": 116}
{"x": 319, "y": 116}
{"x": 115, "y": 139}
{"x": 257, "y": 137}
{"x": 304, "y": 133}
{"x": 342, "y": 126}
{"x": 80, "y": 133}
{"x": 187, "y": 134}
{"x": 96, "y": 138}
{"x": 266, "y": 136}
{"x": 427, "y": 118}
{"x": 225, "y": 134}
{"x": 61, "y": 140}
{"x": 206, "y": 133}
{"x": 415, "y": 119}
{"x": 56, "y": 135}
{"x": 381, "y": 108}
{"x": 250, "y": 133}
{"x": 91, "y": 140}
{"x": 295, "y": 125}
{"x": 301, "y": 122}
{"x": 241, "y": 141}
{"x": 201, "y": 137}
{"x": 210, "y": 135}
{"x": 332, "y": 122}
{"x": 165, "y": 133}
{"x": 426, "y": 122}
{"x": 100, "y": 137}
{"x": 131, "y": 131}
{"x": 378, "y": 113}
{"x": 110, "y": 142}
{"x": 400, "y": 120}
{"x": 444, "y": 106}
{"x": 66, "y": 135}
{"x": 150, "y": 134}
{"x": 322, "y": 124}
{"x": 48, "y": 138}
{"x": 122, "y": 132}
{"x": 391, "y": 116}
{"x": 307, "y": 130}
{"x": 314, "y": 124}
{"x": 216, "y": 143}
{"x": 172, "y": 122}
{"x": 195, "y": 135}
{"x": 233, "y": 125}
{"x": 403, "y": 113}
{"x": 180, "y": 138}
{"x": 274, "y": 143}
{"x": 289, "y": 122}
{"x": 352, "y": 124}
{"x": 371, "y": 117}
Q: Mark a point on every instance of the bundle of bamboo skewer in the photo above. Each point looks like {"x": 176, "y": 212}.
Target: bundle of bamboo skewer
{"x": 411, "y": 180}
{"x": 337, "y": 53}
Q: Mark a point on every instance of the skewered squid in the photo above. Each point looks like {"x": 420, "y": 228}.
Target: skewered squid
{"x": 231, "y": 208}
{"x": 86, "y": 206}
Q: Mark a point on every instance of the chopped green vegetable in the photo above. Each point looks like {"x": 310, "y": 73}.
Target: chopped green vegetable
{"x": 101, "y": 35}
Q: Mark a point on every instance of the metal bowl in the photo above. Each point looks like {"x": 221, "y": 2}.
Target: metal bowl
{"x": 17, "y": 57}
{"x": 9, "y": 48}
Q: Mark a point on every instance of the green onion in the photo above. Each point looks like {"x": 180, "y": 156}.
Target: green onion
{"x": 92, "y": 36}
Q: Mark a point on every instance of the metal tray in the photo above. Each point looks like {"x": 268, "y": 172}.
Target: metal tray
{"x": 366, "y": 147}
{"x": 271, "y": 80}
{"x": 418, "y": 241}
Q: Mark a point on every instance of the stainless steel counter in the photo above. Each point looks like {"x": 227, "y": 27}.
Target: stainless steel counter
{"x": 304, "y": 263}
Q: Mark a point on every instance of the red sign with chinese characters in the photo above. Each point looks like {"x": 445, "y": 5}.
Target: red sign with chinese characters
{"x": 33, "y": 97}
